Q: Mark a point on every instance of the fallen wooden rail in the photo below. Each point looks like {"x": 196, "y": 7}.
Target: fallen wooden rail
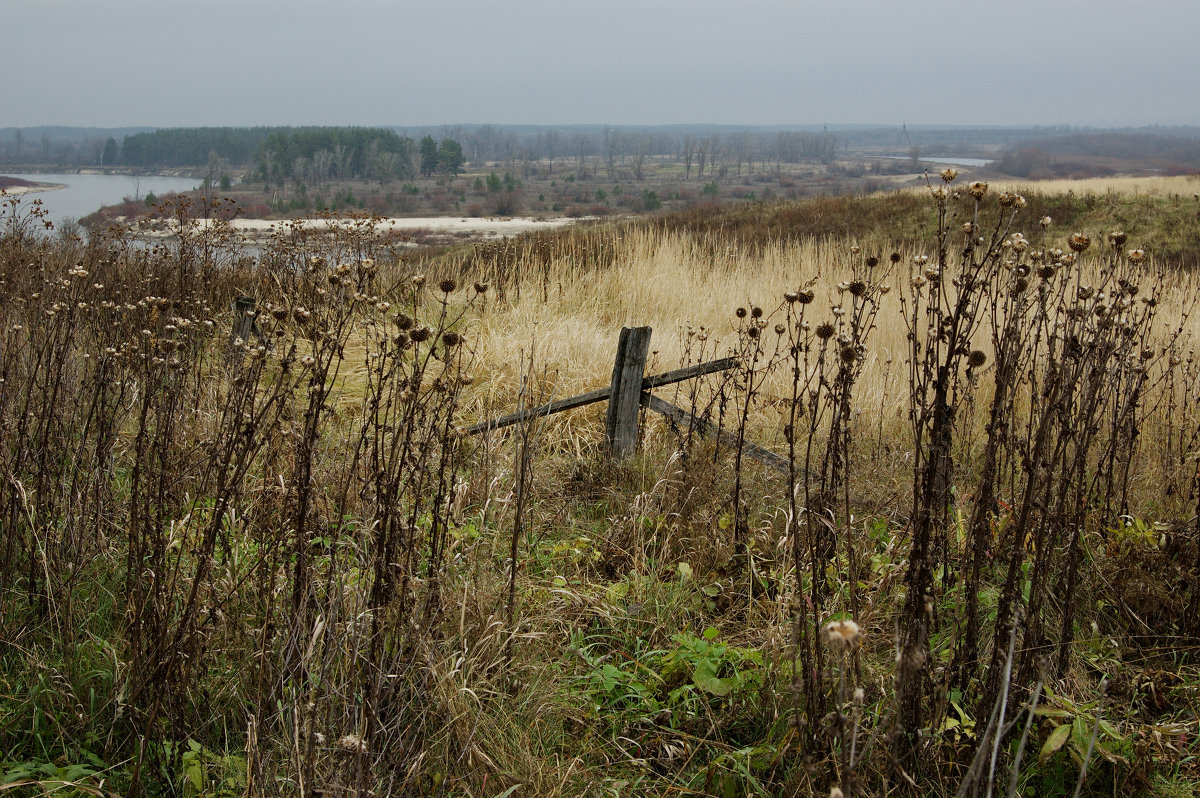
{"x": 680, "y": 417}
{"x": 600, "y": 395}
{"x": 628, "y": 392}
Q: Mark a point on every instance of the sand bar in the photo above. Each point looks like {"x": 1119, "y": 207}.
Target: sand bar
{"x": 15, "y": 191}
{"x": 448, "y": 226}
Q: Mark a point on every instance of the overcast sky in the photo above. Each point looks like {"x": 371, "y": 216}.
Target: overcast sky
{"x": 418, "y": 62}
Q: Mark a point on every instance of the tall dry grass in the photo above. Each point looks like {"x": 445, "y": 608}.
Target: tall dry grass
{"x": 275, "y": 565}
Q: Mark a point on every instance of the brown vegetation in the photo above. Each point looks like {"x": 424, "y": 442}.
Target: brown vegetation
{"x": 275, "y": 564}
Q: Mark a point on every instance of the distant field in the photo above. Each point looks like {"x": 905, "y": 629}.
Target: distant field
{"x": 1185, "y": 185}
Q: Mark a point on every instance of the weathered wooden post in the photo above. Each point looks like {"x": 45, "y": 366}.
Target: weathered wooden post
{"x": 243, "y": 327}
{"x": 625, "y": 392}
{"x": 243, "y": 319}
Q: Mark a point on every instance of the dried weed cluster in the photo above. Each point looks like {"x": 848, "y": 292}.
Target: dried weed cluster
{"x": 270, "y": 561}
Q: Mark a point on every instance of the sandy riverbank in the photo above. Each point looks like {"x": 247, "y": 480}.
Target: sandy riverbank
{"x": 17, "y": 190}
{"x": 450, "y": 227}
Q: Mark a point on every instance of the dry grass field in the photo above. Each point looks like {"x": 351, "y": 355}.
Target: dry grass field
{"x": 275, "y": 563}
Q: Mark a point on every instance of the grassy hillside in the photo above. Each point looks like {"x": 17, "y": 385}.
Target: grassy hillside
{"x": 274, "y": 562}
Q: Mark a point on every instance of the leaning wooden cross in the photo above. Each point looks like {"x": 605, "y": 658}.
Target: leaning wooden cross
{"x": 629, "y": 391}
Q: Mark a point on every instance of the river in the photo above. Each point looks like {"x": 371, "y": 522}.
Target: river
{"x": 87, "y": 193}
{"x": 938, "y": 159}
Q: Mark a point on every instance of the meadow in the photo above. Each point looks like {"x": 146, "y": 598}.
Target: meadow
{"x": 276, "y": 563}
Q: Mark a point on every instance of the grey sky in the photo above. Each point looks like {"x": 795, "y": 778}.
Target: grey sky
{"x": 221, "y": 62}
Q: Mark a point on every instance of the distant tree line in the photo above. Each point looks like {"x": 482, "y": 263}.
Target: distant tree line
{"x": 705, "y": 153}
{"x": 316, "y": 155}
{"x": 1124, "y": 146}
{"x": 1097, "y": 154}
{"x": 307, "y": 155}
{"x": 191, "y": 146}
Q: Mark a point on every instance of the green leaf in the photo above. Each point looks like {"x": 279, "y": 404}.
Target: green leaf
{"x": 616, "y": 591}
{"x": 1111, "y": 756}
{"x": 1080, "y": 734}
{"x": 1055, "y": 741}
{"x": 1053, "y": 712}
{"x": 711, "y": 633}
{"x": 705, "y": 677}
{"x": 195, "y": 774}
{"x": 509, "y": 791}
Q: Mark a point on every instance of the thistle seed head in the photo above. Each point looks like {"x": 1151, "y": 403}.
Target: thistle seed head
{"x": 841, "y": 635}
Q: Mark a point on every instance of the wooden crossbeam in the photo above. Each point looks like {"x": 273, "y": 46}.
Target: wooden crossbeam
{"x": 679, "y": 416}
{"x": 600, "y": 395}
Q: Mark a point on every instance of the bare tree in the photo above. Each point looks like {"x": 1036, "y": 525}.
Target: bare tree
{"x": 510, "y": 148}
{"x": 322, "y": 166}
{"x": 716, "y": 152}
{"x": 706, "y": 152}
{"x": 739, "y": 148}
{"x": 689, "y": 154}
{"x": 638, "y": 146}
{"x": 341, "y": 160}
{"x": 611, "y": 147}
{"x": 582, "y": 145}
{"x": 549, "y": 143}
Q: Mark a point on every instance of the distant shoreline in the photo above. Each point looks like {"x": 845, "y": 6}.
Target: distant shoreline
{"x": 15, "y": 185}
{"x": 447, "y": 226}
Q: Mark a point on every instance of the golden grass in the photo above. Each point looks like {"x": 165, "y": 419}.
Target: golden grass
{"x": 668, "y": 282}
{"x": 1181, "y": 185}
{"x": 672, "y": 282}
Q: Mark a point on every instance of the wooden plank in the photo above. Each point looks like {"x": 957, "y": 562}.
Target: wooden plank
{"x": 557, "y": 406}
{"x": 680, "y": 416}
{"x": 679, "y": 375}
{"x": 626, "y": 397}
{"x": 591, "y": 397}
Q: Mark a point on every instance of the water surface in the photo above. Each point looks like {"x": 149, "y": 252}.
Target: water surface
{"x": 86, "y": 194}
{"x": 951, "y": 160}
